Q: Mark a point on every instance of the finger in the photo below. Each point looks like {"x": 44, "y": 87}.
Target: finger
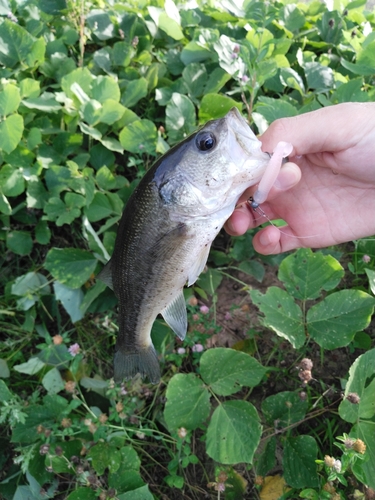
{"x": 240, "y": 221}
{"x": 270, "y": 240}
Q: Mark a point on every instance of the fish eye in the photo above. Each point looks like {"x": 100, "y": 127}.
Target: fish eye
{"x": 205, "y": 141}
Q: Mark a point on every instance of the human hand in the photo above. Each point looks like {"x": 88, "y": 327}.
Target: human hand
{"x": 334, "y": 201}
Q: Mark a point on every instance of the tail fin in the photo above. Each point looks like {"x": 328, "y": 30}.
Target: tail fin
{"x": 143, "y": 361}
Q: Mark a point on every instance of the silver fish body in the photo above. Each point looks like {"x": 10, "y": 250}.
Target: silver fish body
{"x": 166, "y": 231}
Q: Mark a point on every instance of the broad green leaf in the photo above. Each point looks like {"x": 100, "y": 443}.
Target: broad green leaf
{"x": 30, "y": 283}
{"x": 71, "y": 266}
{"x": 53, "y": 382}
{"x": 29, "y": 87}
{"x": 292, "y": 17}
{"x": 127, "y": 476}
{"x": 267, "y": 459}
{"x": 195, "y": 76}
{"x": 122, "y": 54}
{"x": 46, "y": 102}
{"x": 305, "y": 274}
{"x": 226, "y": 371}
{"x": 105, "y": 87}
{"x": 100, "y": 208}
{"x": 371, "y": 279}
{"x": 82, "y": 493}
{"x": 300, "y": 469}
{"x": 233, "y": 433}
{"x": 52, "y": 7}
{"x": 103, "y": 456}
{"x": 194, "y": 52}
{"x": 100, "y": 24}
{"x": 34, "y": 138}
{"x": 180, "y": 117}
{"x": 11, "y": 180}
{"x": 281, "y": 314}
{"x": 42, "y": 232}
{"x": 188, "y": 402}
{"x": 139, "y": 137}
{"x": 166, "y": 23}
{"x": 136, "y": 90}
{"x": 91, "y": 112}
{"x": 5, "y": 394}
{"x": 360, "y": 374}
{"x": 112, "y": 111}
{"x": 11, "y": 132}
{"x": 81, "y": 77}
{"x": 272, "y": 108}
{"x": 285, "y": 407}
{"x": 15, "y": 44}
{"x": 216, "y": 81}
{"x": 318, "y": 77}
{"x": 4, "y": 372}
{"x": 31, "y": 367}
{"x": 365, "y": 430}
{"x": 19, "y": 242}
{"x": 352, "y": 91}
{"x": 215, "y": 106}
{"x": 105, "y": 178}
{"x": 71, "y": 299}
{"x": 334, "y": 321}
{"x": 9, "y": 99}
{"x": 331, "y": 26}
{"x": 5, "y": 206}
{"x": 142, "y": 493}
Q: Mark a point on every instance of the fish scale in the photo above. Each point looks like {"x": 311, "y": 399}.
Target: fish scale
{"x": 166, "y": 231}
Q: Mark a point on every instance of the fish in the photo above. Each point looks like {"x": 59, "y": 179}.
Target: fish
{"x": 166, "y": 231}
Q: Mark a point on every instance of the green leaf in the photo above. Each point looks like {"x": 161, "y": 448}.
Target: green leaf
{"x": 267, "y": 459}
{"x": 5, "y": 394}
{"x": 71, "y": 266}
{"x": 15, "y": 44}
{"x": 11, "y": 180}
{"x": 5, "y": 206}
{"x": 105, "y": 87}
{"x": 100, "y": 23}
{"x": 79, "y": 76}
{"x": 34, "y": 138}
{"x": 10, "y": 99}
{"x": 142, "y": 493}
{"x": 318, "y": 77}
{"x": 19, "y": 242}
{"x": 71, "y": 299}
{"x": 227, "y": 370}
{"x": 216, "y": 81}
{"x": 180, "y": 117}
{"x": 195, "y": 77}
{"x": 53, "y": 382}
{"x": 305, "y": 274}
{"x": 233, "y": 433}
{"x": 333, "y": 322}
{"x": 300, "y": 469}
{"x": 11, "y": 132}
{"x": 194, "y": 52}
{"x": 365, "y": 430}
{"x": 215, "y": 106}
{"x": 272, "y": 108}
{"x": 103, "y": 456}
{"x": 285, "y": 407}
{"x": 46, "y": 102}
{"x": 281, "y": 314}
{"x": 82, "y": 493}
{"x": 100, "y": 208}
{"x": 4, "y": 373}
{"x": 136, "y": 90}
{"x": 31, "y": 367}
{"x": 52, "y": 7}
{"x": 127, "y": 476}
{"x": 166, "y": 23}
{"x": 360, "y": 376}
{"x": 188, "y": 402}
{"x": 139, "y": 137}
{"x": 292, "y": 17}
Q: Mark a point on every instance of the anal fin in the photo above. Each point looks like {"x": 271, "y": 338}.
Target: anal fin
{"x": 175, "y": 315}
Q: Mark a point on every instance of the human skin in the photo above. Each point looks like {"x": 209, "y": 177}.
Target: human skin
{"x": 326, "y": 192}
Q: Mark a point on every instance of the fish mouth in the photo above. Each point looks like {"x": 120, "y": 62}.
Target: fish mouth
{"x": 243, "y": 133}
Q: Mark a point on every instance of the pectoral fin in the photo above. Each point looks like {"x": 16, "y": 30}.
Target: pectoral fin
{"x": 175, "y": 315}
{"x": 198, "y": 265}
{"x": 105, "y": 275}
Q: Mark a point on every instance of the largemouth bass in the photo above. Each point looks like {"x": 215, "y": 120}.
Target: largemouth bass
{"x": 166, "y": 231}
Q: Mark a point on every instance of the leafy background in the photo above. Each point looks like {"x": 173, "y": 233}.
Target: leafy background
{"x": 91, "y": 94}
